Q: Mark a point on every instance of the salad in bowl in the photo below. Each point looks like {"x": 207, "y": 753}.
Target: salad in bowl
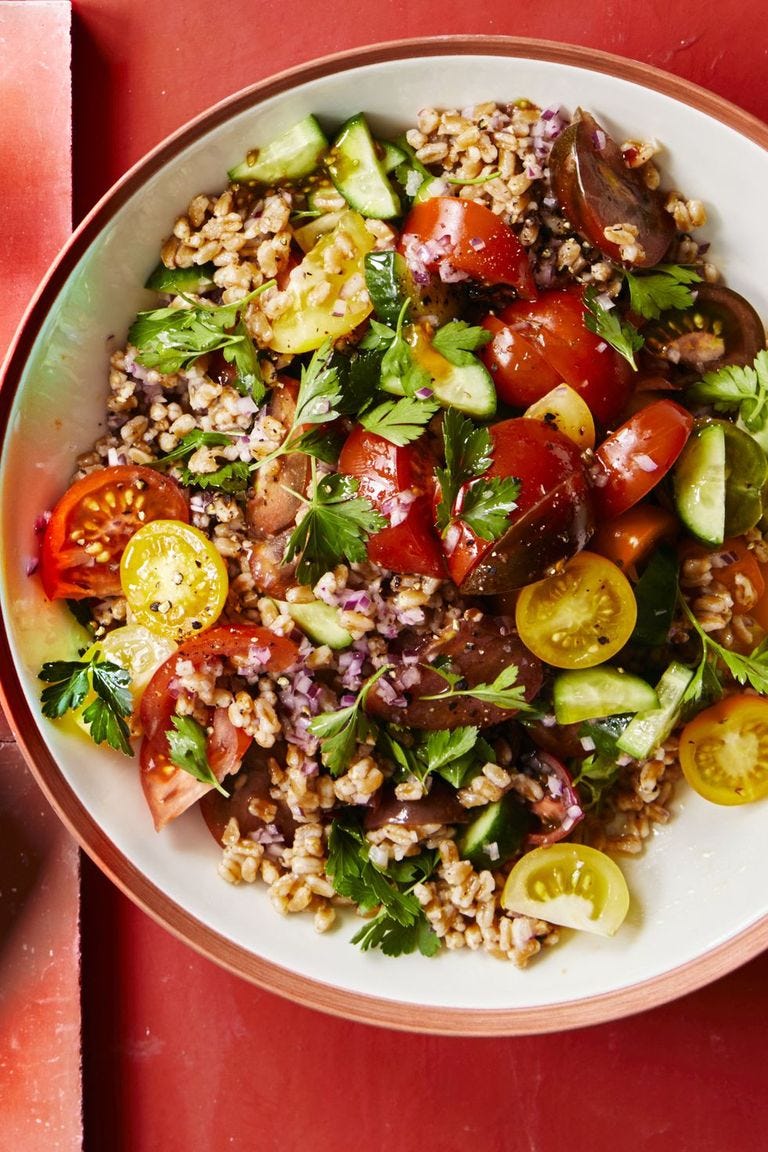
{"x": 423, "y": 550}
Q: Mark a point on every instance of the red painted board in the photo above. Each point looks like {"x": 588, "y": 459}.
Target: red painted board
{"x": 40, "y": 1097}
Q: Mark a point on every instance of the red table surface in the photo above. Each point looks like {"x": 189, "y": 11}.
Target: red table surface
{"x": 179, "y": 1054}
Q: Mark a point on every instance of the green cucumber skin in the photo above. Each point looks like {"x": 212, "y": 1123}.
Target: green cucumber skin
{"x": 358, "y": 174}
{"x": 594, "y": 693}
{"x": 291, "y": 156}
{"x": 647, "y": 730}
{"x": 176, "y": 280}
{"x": 504, "y": 823}
{"x": 467, "y": 387}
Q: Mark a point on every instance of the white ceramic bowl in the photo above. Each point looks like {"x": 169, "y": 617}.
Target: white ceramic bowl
{"x": 700, "y": 902}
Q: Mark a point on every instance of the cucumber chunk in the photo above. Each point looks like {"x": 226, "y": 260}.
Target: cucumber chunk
{"x": 648, "y": 729}
{"x": 718, "y": 482}
{"x": 290, "y": 156}
{"x": 497, "y": 834}
{"x": 178, "y": 280}
{"x": 321, "y": 622}
{"x": 391, "y": 155}
{"x": 357, "y": 172}
{"x": 589, "y": 693}
{"x": 467, "y": 387}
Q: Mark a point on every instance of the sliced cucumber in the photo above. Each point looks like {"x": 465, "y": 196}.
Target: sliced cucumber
{"x": 391, "y": 155}
{"x": 718, "y": 482}
{"x": 589, "y": 693}
{"x": 321, "y": 622}
{"x": 290, "y": 156}
{"x": 648, "y": 729}
{"x": 699, "y": 484}
{"x": 176, "y": 280}
{"x": 467, "y": 387}
{"x": 497, "y": 834}
{"x": 416, "y": 180}
{"x": 357, "y": 172}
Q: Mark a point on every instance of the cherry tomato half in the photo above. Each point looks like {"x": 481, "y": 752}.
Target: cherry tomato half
{"x": 724, "y": 751}
{"x": 630, "y": 539}
{"x": 569, "y": 884}
{"x": 92, "y": 523}
{"x": 463, "y": 238}
{"x": 553, "y": 518}
{"x": 553, "y": 329}
{"x": 173, "y": 578}
{"x": 168, "y": 789}
{"x": 634, "y": 458}
{"x": 580, "y": 616}
{"x": 399, "y": 483}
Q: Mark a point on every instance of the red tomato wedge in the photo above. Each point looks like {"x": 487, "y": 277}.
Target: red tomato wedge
{"x": 168, "y": 789}
{"x": 553, "y": 518}
{"x": 92, "y": 523}
{"x": 399, "y": 482}
{"x": 463, "y": 239}
{"x": 634, "y": 458}
{"x": 543, "y": 342}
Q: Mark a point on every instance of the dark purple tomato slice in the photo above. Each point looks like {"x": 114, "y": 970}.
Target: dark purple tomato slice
{"x": 597, "y": 190}
{"x": 720, "y": 328}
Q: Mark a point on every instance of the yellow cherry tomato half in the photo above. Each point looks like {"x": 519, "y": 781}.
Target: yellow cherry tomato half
{"x": 173, "y": 578}
{"x": 572, "y": 885}
{"x": 563, "y": 408}
{"x": 580, "y": 616}
{"x": 724, "y": 751}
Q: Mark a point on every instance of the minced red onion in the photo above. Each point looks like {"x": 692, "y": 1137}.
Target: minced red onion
{"x": 645, "y": 463}
{"x": 347, "y": 700}
{"x": 599, "y": 138}
{"x": 358, "y": 601}
{"x": 451, "y": 539}
{"x": 397, "y": 507}
{"x": 41, "y": 523}
{"x": 477, "y": 243}
{"x": 451, "y": 275}
{"x": 492, "y": 851}
{"x": 31, "y": 565}
{"x": 587, "y": 743}
{"x": 410, "y": 677}
{"x": 424, "y": 393}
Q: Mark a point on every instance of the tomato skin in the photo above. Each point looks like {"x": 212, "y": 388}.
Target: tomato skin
{"x": 634, "y": 458}
{"x": 170, "y": 790}
{"x": 630, "y": 538}
{"x": 105, "y": 507}
{"x": 724, "y": 751}
{"x": 559, "y": 810}
{"x": 520, "y": 372}
{"x": 553, "y": 518}
{"x": 388, "y": 472}
{"x": 469, "y": 238}
{"x": 554, "y": 326}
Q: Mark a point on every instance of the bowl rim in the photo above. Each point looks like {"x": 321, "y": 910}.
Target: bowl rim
{"x": 305, "y": 990}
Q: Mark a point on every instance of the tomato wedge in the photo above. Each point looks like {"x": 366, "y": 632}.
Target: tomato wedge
{"x": 168, "y": 789}
{"x": 461, "y": 239}
{"x": 545, "y": 341}
{"x": 724, "y": 751}
{"x": 634, "y": 458}
{"x": 92, "y": 523}
{"x": 399, "y": 482}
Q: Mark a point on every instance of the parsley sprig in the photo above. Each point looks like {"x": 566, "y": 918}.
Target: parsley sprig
{"x": 335, "y": 526}
{"x": 484, "y": 503}
{"x": 502, "y": 692}
{"x": 457, "y": 341}
{"x": 399, "y": 421}
{"x": 187, "y": 746}
{"x": 663, "y": 289}
{"x": 341, "y": 731}
{"x": 456, "y": 754}
{"x": 171, "y": 339}
{"x": 608, "y": 325}
{"x": 734, "y": 388}
{"x": 233, "y": 476}
{"x": 400, "y": 926}
{"x": 707, "y": 681}
{"x": 69, "y": 683}
{"x": 398, "y": 363}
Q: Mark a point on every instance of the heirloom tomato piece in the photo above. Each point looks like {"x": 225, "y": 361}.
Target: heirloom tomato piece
{"x": 572, "y": 885}
{"x": 399, "y": 482}
{"x": 462, "y": 239}
{"x": 724, "y": 751}
{"x": 92, "y": 523}
{"x": 169, "y": 790}
{"x": 552, "y": 520}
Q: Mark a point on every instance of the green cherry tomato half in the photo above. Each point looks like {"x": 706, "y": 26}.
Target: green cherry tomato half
{"x": 173, "y": 578}
{"x": 572, "y": 885}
